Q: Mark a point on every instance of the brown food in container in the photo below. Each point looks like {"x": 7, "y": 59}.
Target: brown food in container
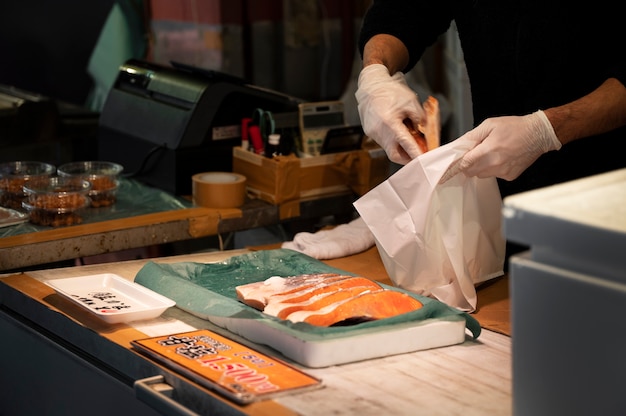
{"x": 59, "y": 201}
{"x": 101, "y": 174}
{"x": 13, "y": 177}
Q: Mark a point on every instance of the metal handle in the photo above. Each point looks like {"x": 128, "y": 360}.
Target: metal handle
{"x": 156, "y": 393}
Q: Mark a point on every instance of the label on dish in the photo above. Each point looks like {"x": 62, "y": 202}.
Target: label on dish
{"x": 112, "y": 298}
{"x": 103, "y": 301}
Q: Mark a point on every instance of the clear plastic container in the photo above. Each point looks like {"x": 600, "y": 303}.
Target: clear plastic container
{"x": 102, "y": 175}
{"x": 13, "y": 177}
{"x": 58, "y": 201}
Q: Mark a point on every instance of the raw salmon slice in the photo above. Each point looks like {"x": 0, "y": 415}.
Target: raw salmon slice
{"x": 431, "y": 128}
{"x": 428, "y": 132}
{"x": 326, "y": 286}
{"x": 257, "y": 294}
{"x": 325, "y": 299}
{"x": 317, "y": 302}
{"x": 367, "y": 306}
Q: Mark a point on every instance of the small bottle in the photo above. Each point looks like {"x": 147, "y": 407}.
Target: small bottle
{"x": 273, "y": 145}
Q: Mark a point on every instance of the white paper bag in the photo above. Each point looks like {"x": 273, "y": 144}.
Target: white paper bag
{"x": 437, "y": 240}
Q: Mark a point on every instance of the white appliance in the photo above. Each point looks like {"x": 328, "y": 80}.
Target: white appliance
{"x": 568, "y": 297}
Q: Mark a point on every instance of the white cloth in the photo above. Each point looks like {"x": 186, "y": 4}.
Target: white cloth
{"x": 343, "y": 240}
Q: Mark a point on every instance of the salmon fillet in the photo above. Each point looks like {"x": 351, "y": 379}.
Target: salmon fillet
{"x": 325, "y": 299}
{"x": 326, "y": 286}
{"x": 257, "y": 294}
{"x": 428, "y": 132}
{"x": 320, "y": 297}
{"x": 366, "y": 306}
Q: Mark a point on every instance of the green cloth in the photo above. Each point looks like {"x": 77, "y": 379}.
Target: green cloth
{"x": 208, "y": 290}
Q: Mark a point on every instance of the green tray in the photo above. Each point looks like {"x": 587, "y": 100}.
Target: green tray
{"x": 207, "y": 290}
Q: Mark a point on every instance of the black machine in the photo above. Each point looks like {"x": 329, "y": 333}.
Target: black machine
{"x": 165, "y": 124}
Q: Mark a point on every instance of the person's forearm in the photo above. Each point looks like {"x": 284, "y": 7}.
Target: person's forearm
{"x": 387, "y": 50}
{"x": 602, "y": 110}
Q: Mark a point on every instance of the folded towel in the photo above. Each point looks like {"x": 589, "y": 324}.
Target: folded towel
{"x": 343, "y": 240}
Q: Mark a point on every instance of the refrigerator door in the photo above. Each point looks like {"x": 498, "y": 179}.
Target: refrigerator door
{"x": 568, "y": 295}
{"x": 569, "y": 339}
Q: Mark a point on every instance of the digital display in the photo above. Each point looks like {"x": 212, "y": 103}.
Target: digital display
{"x": 322, "y": 120}
{"x": 343, "y": 139}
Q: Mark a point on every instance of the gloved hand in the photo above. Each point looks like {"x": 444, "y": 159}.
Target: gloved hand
{"x": 384, "y": 102}
{"x": 505, "y": 146}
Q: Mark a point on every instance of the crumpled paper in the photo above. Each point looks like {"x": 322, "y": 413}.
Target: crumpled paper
{"x": 437, "y": 240}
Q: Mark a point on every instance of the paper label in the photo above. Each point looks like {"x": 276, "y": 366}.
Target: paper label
{"x": 226, "y": 366}
{"x": 226, "y": 132}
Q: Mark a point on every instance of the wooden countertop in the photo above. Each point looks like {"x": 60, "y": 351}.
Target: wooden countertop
{"x": 51, "y": 245}
{"x": 472, "y": 378}
{"x": 63, "y": 243}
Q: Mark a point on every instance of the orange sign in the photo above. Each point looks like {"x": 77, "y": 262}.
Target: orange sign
{"x": 223, "y": 365}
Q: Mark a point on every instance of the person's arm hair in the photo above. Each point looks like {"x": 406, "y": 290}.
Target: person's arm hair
{"x": 386, "y": 50}
{"x": 600, "y": 111}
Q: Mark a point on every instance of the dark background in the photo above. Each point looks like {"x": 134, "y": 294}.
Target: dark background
{"x": 45, "y": 45}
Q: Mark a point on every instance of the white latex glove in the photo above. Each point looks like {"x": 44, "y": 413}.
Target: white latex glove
{"x": 384, "y": 102}
{"x": 505, "y": 146}
{"x": 341, "y": 241}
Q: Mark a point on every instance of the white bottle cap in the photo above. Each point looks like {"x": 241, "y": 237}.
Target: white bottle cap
{"x": 274, "y": 139}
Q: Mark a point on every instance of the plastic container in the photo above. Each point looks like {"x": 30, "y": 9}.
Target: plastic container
{"x": 13, "y": 177}
{"x": 57, "y": 201}
{"x": 103, "y": 177}
{"x": 112, "y": 298}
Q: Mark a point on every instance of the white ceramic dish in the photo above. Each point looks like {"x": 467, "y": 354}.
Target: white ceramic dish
{"x": 112, "y": 298}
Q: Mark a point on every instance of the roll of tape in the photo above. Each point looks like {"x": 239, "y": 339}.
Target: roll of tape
{"x": 219, "y": 189}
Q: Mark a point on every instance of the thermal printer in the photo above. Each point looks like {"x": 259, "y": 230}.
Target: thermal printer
{"x": 166, "y": 123}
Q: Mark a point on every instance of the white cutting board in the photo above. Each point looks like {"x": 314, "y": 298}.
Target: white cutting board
{"x": 320, "y": 352}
